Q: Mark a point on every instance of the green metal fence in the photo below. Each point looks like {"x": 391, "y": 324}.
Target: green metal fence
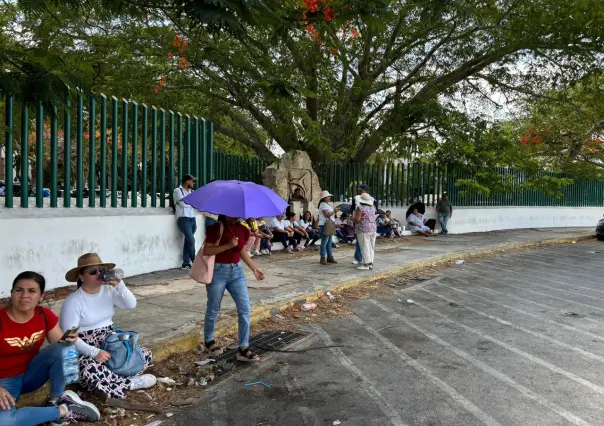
{"x": 403, "y": 184}
{"x": 109, "y": 152}
{"x": 235, "y": 167}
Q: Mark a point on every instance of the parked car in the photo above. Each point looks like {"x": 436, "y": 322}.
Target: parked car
{"x": 600, "y": 230}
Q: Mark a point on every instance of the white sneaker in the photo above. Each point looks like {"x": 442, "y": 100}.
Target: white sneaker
{"x": 363, "y": 268}
{"x": 262, "y": 252}
{"x": 256, "y": 253}
{"x": 298, "y": 249}
{"x": 289, "y": 249}
{"x": 356, "y": 262}
{"x": 144, "y": 381}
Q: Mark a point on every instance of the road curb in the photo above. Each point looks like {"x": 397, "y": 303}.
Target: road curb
{"x": 190, "y": 340}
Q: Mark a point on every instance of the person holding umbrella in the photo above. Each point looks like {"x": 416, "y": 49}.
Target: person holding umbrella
{"x": 225, "y": 241}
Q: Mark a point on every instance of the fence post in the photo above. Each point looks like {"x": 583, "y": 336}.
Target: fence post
{"x": 134, "y": 185}
{"x": 162, "y": 141}
{"x": 39, "y": 155}
{"x": 154, "y": 157}
{"x": 103, "y": 165}
{"x": 195, "y": 149}
{"x": 25, "y": 157}
{"x": 66, "y": 154}
{"x": 171, "y": 153}
{"x": 54, "y": 160}
{"x": 179, "y": 149}
{"x": 124, "y": 153}
{"x": 79, "y": 151}
{"x": 145, "y": 158}
{"x": 187, "y": 155}
{"x": 8, "y": 160}
{"x": 211, "y": 149}
{"x": 203, "y": 152}
{"x": 114, "y": 145}
{"x": 91, "y": 150}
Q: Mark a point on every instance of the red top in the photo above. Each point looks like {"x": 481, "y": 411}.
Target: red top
{"x": 229, "y": 256}
{"x": 19, "y": 343}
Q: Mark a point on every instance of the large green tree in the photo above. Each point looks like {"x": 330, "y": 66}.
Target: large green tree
{"x": 380, "y": 72}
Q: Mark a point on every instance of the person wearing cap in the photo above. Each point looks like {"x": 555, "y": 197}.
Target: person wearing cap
{"x": 326, "y": 212}
{"x": 90, "y": 309}
{"x": 358, "y": 256}
{"x": 185, "y": 216}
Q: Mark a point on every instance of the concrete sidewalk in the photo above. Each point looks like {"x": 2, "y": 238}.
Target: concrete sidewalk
{"x": 170, "y": 308}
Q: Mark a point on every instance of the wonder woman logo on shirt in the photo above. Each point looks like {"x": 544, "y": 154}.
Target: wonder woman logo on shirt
{"x": 26, "y": 342}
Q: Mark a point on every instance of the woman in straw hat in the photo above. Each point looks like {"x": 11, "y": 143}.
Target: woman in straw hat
{"x": 91, "y": 308}
{"x": 326, "y": 213}
{"x": 366, "y": 228}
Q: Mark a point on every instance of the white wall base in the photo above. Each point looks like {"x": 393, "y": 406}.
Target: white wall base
{"x": 140, "y": 241}
{"x": 484, "y": 219}
{"x": 137, "y": 241}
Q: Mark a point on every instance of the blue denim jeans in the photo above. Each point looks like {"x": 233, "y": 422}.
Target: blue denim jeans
{"x": 188, "y": 227}
{"x": 46, "y": 365}
{"x": 444, "y": 218}
{"x": 229, "y": 277}
{"x": 357, "y": 253}
{"x": 326, "y": 241}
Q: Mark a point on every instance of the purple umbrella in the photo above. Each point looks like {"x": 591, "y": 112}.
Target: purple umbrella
{"x": 234, "y": 198}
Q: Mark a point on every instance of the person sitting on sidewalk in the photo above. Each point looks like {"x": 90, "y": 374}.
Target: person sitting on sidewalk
{"x": 253, "y": 243}
{"x": 185, "y": 216}
{"x": 25, "y": 366}
{"x": 394, "y": 223}
{"x": 344, "y": 231}
{"x": 417, "y": 223}
{"x": 283, "y": 236}
{"x": 311, "y": 226}
{"x": 266, "y": 237}
{"x": 445, "y": 212}
{"x": 383, "y": 227}
{"x": 91, "y": 308}
{"x": 226, "y": 241}
{"x": 299, "y": 232}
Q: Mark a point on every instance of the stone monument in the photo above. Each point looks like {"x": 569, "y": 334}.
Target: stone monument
{"x": 294, "y": 171}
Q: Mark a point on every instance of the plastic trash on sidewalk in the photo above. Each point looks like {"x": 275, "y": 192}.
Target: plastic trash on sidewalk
{"x": 460, "y": 262}
{"x": 167, "y": 381}
{"x": 308, "y": 306}
{"x": 411, "y": 301}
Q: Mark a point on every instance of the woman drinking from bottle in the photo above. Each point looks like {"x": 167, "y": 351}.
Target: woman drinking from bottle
{"x": 91, "y": 308}
{"x": 25, "y": 367}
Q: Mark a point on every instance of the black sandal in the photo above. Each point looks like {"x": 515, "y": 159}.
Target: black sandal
{"x": 245, "y": 355}
{"x": 212, "y": 348}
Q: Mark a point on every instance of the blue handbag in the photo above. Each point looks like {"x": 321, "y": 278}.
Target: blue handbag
{"x": 127, "y": 357}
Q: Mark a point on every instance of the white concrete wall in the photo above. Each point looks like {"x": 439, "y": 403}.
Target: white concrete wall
{"x": 49, "y": 241}
{"x": 484, "y": 219}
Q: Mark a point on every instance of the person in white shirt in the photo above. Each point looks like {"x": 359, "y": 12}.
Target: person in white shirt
{"x": 91, "y": 308}
{"x": 308, "y": 224}
{"x": 417, "y": 223}
{"x": 282, "y": 235}
{"x": 299, "y": 231}
{"x": 185, "y": 216}
{"x": 326, "y": 213}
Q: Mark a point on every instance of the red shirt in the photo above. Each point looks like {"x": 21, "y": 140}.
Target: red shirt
{"x": 230, "y": 231}
{"x": 19, "y": 343}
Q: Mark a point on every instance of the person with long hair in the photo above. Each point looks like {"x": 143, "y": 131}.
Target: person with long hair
{"x": 226, "y": 241}
{"x": 91, "y": 308}
{"x": 326, "y": 212}
{"x": 25, "y": 366}
{"x": 309, "y": 224}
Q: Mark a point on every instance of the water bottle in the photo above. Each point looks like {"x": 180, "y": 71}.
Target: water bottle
{"x": 71, "y": 368}
{"x": 112, "y": 275}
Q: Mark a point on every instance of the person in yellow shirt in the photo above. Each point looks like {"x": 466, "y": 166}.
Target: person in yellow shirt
{"x": 253, "y": 243}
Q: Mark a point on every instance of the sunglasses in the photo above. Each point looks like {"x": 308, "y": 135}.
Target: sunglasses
{"x": 95, "y": 271}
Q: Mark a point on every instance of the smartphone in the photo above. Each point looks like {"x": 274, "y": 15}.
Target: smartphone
{"x": 68, "y": 332}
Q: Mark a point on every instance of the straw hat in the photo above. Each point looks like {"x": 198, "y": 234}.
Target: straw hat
{"x": 364, "y": 198}
{"x": 85, "y": 261}
{"x": 324, "y": 194}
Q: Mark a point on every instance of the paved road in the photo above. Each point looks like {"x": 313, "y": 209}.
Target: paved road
{"x": 511, "y": 340}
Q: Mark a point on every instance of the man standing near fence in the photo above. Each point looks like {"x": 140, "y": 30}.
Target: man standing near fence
{"x": 185, "y": 216}
{"x": 358, "y": 256}
{"x": 445, "y": 211}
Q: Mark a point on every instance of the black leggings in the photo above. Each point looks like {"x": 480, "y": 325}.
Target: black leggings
{"x": 281, "y": 237}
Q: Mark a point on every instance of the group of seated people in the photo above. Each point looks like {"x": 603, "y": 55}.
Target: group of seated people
{"x": 289, "y": 230}
{"x": 86, "y": 321}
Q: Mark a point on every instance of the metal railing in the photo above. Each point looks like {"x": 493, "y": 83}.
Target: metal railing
{"x": 112, "y": 152}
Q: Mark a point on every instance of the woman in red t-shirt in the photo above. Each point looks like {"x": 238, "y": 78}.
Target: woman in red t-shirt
{"x": 24, "y": 367}
{"x": 229, "y": 249}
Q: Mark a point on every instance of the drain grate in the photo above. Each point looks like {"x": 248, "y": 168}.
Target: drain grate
{"x": 259, "y": 344}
